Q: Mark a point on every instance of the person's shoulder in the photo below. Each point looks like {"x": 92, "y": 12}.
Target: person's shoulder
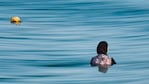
{"x": 93, "y": 61}
{"x": 94, "y": 58}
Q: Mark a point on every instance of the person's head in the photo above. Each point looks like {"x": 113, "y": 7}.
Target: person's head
{"x": 102, "y": 47}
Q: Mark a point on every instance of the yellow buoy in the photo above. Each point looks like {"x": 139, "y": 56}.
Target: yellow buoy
{"x": 15, "y": 20}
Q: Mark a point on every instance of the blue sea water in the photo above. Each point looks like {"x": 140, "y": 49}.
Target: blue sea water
{"x": 57, "y": 38}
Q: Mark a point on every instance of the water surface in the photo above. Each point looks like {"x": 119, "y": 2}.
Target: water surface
{"x": 57, "y": 38}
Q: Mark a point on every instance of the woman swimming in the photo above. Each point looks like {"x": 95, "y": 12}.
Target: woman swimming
{"x": 102, "y": 59}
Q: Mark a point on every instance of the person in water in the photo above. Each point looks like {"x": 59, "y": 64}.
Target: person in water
{"x": 102, "y": 59}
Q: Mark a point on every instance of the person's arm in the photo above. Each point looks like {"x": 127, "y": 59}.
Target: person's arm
{"x": 113, "y": 61}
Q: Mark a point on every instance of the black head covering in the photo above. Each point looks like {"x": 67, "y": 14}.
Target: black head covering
{"x": 102, "y": 47}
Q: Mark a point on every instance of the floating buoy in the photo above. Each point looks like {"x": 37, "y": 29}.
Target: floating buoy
{"x": 15, "y": 20}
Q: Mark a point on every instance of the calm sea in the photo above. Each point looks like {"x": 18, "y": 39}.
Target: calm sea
{"x": 57, "y": 38}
